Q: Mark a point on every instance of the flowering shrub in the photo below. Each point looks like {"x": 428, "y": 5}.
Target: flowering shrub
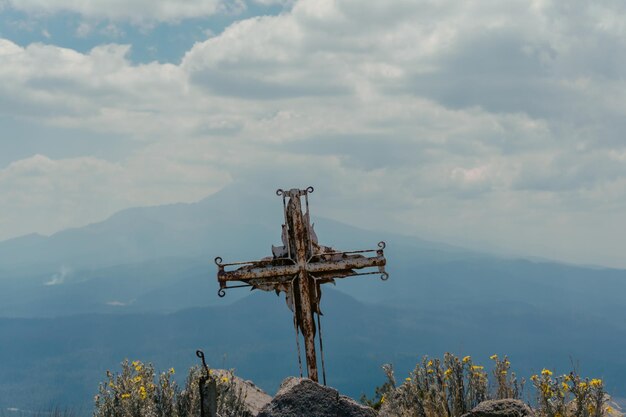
{"x": 452, "y": 387}
{"x": 139, "y": 392}
{"x": 445, "y": 389}
{"x": 570, "y": 396}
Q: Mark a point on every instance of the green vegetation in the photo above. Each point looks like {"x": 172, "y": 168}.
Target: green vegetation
{"x": 139, "y": 392}
{"x": 452, "y": 387}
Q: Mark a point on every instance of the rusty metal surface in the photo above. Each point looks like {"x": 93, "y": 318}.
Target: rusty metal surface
{"x": 299, "y": 267}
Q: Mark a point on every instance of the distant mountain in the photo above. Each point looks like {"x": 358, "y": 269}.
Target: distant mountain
{"x": 161, "y": 258}
{"x": 234, "y": 223}
{"x": 138, "y": 234}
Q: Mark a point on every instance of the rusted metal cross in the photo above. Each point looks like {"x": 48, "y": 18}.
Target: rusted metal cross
{"x": 298, "y": 268}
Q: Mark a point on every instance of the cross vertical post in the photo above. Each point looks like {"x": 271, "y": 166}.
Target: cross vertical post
{"x": 299, "y": 268}
{"x": 303, "y": 285}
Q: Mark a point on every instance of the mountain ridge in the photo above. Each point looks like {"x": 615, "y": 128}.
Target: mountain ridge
{"x": 163, "y": 222}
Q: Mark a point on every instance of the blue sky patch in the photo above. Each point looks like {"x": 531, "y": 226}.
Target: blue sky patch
{"x": 164, "y": 42}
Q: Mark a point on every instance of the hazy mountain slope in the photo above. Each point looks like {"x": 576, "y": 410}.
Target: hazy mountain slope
{"x": 116, "y": 289}
{"x": 120, "y": 264}
{"x": 420, "y": 276}
{"x": 60, "y": 361}
{"x": 200, "y": 229}
{"x": 160, "y": 259}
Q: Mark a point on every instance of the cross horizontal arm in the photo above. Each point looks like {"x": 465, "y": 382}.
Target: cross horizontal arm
{"x": 262, "y": 272}
{"x": 348, "y": 263}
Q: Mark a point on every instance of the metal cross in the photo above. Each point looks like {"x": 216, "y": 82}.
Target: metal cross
{"x": 298, "y": 268}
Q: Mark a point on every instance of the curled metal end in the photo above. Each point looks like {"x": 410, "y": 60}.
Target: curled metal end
{"x": 218, "y": 261}
{"x": 382, "y": 244}
{"x": 221, "y": 293}
{"x": 384, "y": 276}
{"x": 309, "y": 190}
{"x": 200, "y": 354}
{"x": 279, "y": 192}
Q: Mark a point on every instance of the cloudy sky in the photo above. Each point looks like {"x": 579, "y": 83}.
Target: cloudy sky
{"x": 488, "y": 123}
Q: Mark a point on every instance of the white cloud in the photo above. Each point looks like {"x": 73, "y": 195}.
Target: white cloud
{"x": 453, "y": 118}
{"x": 100, "y": 89}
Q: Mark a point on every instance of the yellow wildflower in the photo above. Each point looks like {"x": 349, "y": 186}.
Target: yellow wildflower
{"x": 407, "y": 379}
{"x": 564, "y": 386}
{"x": 430, "y": 371}
{"x": 546, "y": 372}
{"x": 172, "y": 371}
{"x": 596, "y": 383}
{"x": 382, "y": 399}
{"x": 493, "y": 357}
{"x": 430, "y": 363}
{"x": 142, "y": 392}
{"x": 135, "y": 363}
{"x": 534, "y": 377}
{"x": 138, "y": 368}
{"x": 507, "y": 363}
{"x": 125, "y": 395}
{"x": 466, "y": 359}
{"x": 609, "y": 409}
{"x": 583, "y": 385}
{"x": 477, "y": 368}
{"x": 448, "y": 372}
{"x": 566, "y": 378}
{"x": 224, "y": 379}
{"x": 137, "y": 379}
{"x": 503, "y": 372}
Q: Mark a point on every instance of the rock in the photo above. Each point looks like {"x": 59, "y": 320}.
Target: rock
{"x": 301, "y": 397}
{"x": 255, "y": 398}
{"x": 501, "y": 408}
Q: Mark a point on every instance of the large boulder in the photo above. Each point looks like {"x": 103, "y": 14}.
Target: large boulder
{"x": 501, "y": 408}
{"x": 301, "y": 397}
